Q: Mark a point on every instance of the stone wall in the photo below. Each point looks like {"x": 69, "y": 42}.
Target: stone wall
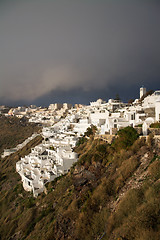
{"x": 106, "y": 137}
{"x": 139, "y": 130}
{"x": 157, "y": 140}
{"x": 154, "y": 131}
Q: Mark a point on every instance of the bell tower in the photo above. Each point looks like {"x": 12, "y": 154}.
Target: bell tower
{"x": 142, "y": 91}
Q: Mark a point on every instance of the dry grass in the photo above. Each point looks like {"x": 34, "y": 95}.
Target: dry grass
{"x": 80, "y": 212}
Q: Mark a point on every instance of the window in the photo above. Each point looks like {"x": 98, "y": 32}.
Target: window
{"x": 157, "y": 93}
{"x": 133, "y": 116}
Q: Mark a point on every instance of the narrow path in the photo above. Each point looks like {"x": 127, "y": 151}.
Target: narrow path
{"x": 8, "y": 152}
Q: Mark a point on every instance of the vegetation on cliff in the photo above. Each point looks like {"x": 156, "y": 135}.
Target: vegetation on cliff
{"x": 14, "y": 131}
{"x": 112, "y": 192}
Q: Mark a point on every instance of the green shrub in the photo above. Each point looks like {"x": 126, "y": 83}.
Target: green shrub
{"x": 155, "y": 125}
{"x": 81, "y": 141}
{"x": 102, "y": 148}
{"x": 90, "y": 131}
{"x": 126, "y": 137}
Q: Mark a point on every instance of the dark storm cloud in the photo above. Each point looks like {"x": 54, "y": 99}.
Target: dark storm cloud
{"x": 48, "y": 46}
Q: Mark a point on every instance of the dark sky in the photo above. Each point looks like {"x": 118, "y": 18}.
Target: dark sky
{"x": 77, "y": 51}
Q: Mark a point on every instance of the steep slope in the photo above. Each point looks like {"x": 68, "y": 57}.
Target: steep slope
{"x": 112, "y": 192}
{"x": 14, "y": 131}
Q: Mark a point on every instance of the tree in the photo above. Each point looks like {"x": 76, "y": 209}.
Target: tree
{"x": 80, "y": 141}
{"x": 126, "y": 137}
{"x": 90, "y": 131}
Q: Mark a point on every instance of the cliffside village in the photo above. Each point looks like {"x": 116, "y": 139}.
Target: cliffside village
{"x": 64, "y": 124}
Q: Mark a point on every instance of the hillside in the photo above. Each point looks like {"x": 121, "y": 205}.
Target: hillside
{"x": 112, "y": 192}
{"x": 14, "y": 131}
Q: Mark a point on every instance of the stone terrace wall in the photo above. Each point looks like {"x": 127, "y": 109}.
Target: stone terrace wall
{"x": 139, "y": 130}
{"x": 154, "y": 131}
{"x": 106, "y": 137}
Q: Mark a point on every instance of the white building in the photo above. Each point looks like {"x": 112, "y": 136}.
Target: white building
{"x": 47, "y": 161}
{"x": 142, "y": 92}
{"x": 55, "y": 155}
{"x": 55, "y": 106}
{"x": 157, "y": 109}
{"x": 97, "y": 103}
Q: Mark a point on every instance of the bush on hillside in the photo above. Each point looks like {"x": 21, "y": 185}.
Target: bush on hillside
{"x": 80, "y": 141}
{"x": 155, "y": 125}
{"x": 126, "y": 137}
{"x": 90, "y": 131}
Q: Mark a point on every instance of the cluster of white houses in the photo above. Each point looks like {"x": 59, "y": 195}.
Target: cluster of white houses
{"x": 55, "y": 155}
{"x": 49, "y": 115}
{"x": 114, "y": 115}
{"x": 52, "y": 158}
